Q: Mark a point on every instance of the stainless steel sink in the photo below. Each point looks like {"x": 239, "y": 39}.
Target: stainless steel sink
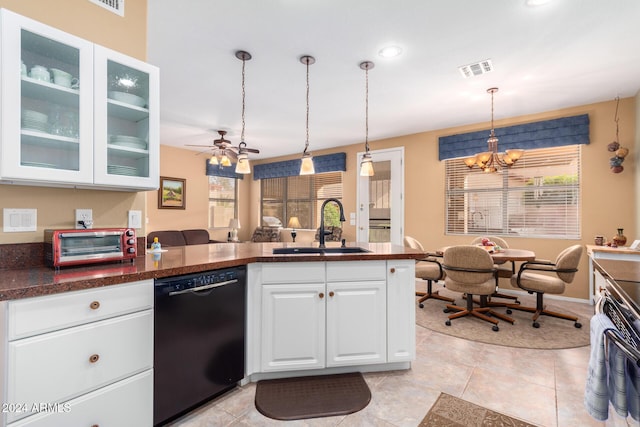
{"x": 345, "y": 250}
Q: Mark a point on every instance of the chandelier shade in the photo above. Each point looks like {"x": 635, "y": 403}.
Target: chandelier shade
{"x": 491, "y": 161}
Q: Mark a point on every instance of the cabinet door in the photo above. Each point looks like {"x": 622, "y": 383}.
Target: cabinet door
{"x": 401, "y": 287}
{"x": 127, "y": 140}
{"x": 356, "y": 323}
{"x": 293, "y": 327}
{"x": 47, "y": 103}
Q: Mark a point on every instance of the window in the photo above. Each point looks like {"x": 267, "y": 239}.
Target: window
{"x": 223, "y": 201}
{"x": 538, "y": 197}
{"x": 301, "y": 196}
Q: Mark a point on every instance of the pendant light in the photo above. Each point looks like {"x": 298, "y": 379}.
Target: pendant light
{"x": 306, "y": 167}
{"x": 242, "y": 165}
{"x": 366, "y": 165}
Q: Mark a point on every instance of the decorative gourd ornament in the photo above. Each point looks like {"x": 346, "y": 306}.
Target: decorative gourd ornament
{"x": 620, "y": 152}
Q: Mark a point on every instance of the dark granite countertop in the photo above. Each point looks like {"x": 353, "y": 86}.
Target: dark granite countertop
{"x": 32, "y": 282}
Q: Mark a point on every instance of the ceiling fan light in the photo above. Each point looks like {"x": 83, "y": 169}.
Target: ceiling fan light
{"x": 243, "y": 164}
{"x": 306, "y": 166}
{"x": 224, "y": 161}
{"x": 213, "y": 160}
{"x": 366, "y": 165}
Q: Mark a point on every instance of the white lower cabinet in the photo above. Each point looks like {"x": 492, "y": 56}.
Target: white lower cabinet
{"x": 330, "y": 314}
{"x": 91, "y": 367}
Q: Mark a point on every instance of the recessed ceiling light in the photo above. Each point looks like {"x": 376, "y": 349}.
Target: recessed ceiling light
{"x": 390, "y": 51}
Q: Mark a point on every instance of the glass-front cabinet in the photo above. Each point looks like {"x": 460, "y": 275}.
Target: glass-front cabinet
{"x": 74, "y": 113}
{"x": 126, "y": 120}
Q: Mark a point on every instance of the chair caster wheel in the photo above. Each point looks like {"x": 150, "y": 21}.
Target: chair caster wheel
{"x": 448, "y": 323}
{"x": 495, "y": 328}
{"x": 509, "y": 311}
{"x": 578, "y": 325}
{"x": 536, "y": 324}
{"x": 446, "y": 310}
{"x": 421, "y": 305}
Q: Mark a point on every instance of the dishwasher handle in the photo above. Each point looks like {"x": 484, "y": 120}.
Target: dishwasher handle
{"x": 203, "y": 287}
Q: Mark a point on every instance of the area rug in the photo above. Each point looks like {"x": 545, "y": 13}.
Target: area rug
{"x": 553, "y": 333}
{"x": 450, "y": 411}
{"x": 312, "y": 397}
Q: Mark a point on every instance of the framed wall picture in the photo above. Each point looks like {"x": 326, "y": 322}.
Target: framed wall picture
{"x": 172, "y": 193}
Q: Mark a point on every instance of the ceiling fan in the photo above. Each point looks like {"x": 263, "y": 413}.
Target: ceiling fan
{"x": 222, "y": 150}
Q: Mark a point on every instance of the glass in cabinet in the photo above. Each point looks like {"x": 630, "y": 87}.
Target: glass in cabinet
{"x": 47, "y": 103}
{"x": 126, "y": 121}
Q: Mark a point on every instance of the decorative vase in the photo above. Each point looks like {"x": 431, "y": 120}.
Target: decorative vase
{"x": 620, "y": 239}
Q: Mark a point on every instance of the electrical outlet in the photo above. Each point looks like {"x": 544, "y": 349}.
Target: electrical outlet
{"x": 84, "y": 218}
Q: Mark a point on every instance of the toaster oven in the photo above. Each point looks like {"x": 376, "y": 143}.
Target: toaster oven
{"x": 76, "y": 247}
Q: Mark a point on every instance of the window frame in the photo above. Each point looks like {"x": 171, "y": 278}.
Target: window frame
{"x": 211, "y": 220}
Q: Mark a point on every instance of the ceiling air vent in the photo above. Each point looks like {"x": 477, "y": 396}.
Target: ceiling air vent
{"x": 476, "y": 69}
{"x": 115, "y": 6}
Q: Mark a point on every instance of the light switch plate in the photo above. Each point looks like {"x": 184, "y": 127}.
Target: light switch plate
{"x": 135, "y": 219}
{"x": 16, "y": 220}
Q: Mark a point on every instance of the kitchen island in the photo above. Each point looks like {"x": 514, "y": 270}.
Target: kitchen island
{"x": 81, "y": 339}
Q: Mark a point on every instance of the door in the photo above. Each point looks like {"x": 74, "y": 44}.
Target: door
{"x": 380, "y": 209}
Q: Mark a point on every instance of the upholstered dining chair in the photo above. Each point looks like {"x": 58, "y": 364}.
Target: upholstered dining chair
{"x": 504, "y": 270}
{"x": 428, "y": 269}
{"x": 551, "y": 277}
{"x": 469, "y": 269}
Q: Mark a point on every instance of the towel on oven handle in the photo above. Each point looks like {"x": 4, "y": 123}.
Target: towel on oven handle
{"x": 605, "y": 382}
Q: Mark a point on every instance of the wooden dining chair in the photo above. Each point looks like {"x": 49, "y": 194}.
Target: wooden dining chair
{"x": 428, "y": 269}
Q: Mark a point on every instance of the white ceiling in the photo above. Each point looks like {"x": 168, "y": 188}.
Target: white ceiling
{"x": 563, "y": 54}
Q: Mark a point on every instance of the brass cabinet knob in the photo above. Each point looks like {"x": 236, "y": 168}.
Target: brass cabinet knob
{"x": 331, "y": 294}
{"x": 94, "y": 358}
{"x": 94, "y": 305}
{"x": 321, "y": 295}
{"x": 393, "y": 270}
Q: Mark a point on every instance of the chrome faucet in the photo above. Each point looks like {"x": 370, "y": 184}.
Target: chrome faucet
{"x": 321, "y": 233}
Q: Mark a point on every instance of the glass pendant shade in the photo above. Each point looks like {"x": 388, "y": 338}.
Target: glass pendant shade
{"x": 242, "y": 166}
{"x": 306, "y": 166}
{"x": 213, "y": 160}
{"x": 224, "y": 161}
{"x": 366, "y": 166}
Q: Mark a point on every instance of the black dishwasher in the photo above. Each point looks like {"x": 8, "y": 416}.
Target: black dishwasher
{"x": 199, "y": 346}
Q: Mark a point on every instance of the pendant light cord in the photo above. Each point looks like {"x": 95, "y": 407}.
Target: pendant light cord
{"x": 243, "y": 105}
{"x": 306, "y": 143}
{"x": 366, "y": 111}
{"x": 616, "y": 116}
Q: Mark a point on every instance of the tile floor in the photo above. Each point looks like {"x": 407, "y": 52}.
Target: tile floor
{"x": 543, "y": 387}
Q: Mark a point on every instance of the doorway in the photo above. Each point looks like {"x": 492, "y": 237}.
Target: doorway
{"x": 380, "y": 209}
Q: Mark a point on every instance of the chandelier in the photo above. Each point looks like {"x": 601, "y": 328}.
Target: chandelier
{"x": 490, "y": 161}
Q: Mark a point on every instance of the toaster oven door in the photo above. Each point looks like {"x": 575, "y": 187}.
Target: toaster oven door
{"x": 99, "y": 245}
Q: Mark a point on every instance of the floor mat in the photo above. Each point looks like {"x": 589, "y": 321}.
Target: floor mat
{"x": 450, "y": 411}
{"x": 311, "y": 397}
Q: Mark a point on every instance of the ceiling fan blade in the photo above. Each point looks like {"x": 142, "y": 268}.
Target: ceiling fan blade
{"x": 252, "y": 150}
{"x": 199, "y": 145}
{"x": 231, "y": 153}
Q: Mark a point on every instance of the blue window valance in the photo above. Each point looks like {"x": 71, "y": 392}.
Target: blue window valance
{"x": 548, "y": 133}
{"x": 226, "y": 171}
{"x": 328, "y": 163}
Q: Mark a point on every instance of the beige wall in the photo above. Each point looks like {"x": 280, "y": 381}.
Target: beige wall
{"x": 126, "y": 34}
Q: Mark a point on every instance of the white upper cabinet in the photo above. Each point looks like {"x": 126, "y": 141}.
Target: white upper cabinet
{"x": 67, "y": 119}
{"x": 126, "y": 121}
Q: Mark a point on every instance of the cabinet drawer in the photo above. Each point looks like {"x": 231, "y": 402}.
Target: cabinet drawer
{"x": 38, "y": 315}
{"x": 293, "y": 272}
{"x": 61, "y": 365}
{"x": 345, "y": 271}
{"x": 127, "y": 403}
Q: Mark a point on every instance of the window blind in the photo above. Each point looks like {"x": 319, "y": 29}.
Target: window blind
{"x": 538, "y": 197}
